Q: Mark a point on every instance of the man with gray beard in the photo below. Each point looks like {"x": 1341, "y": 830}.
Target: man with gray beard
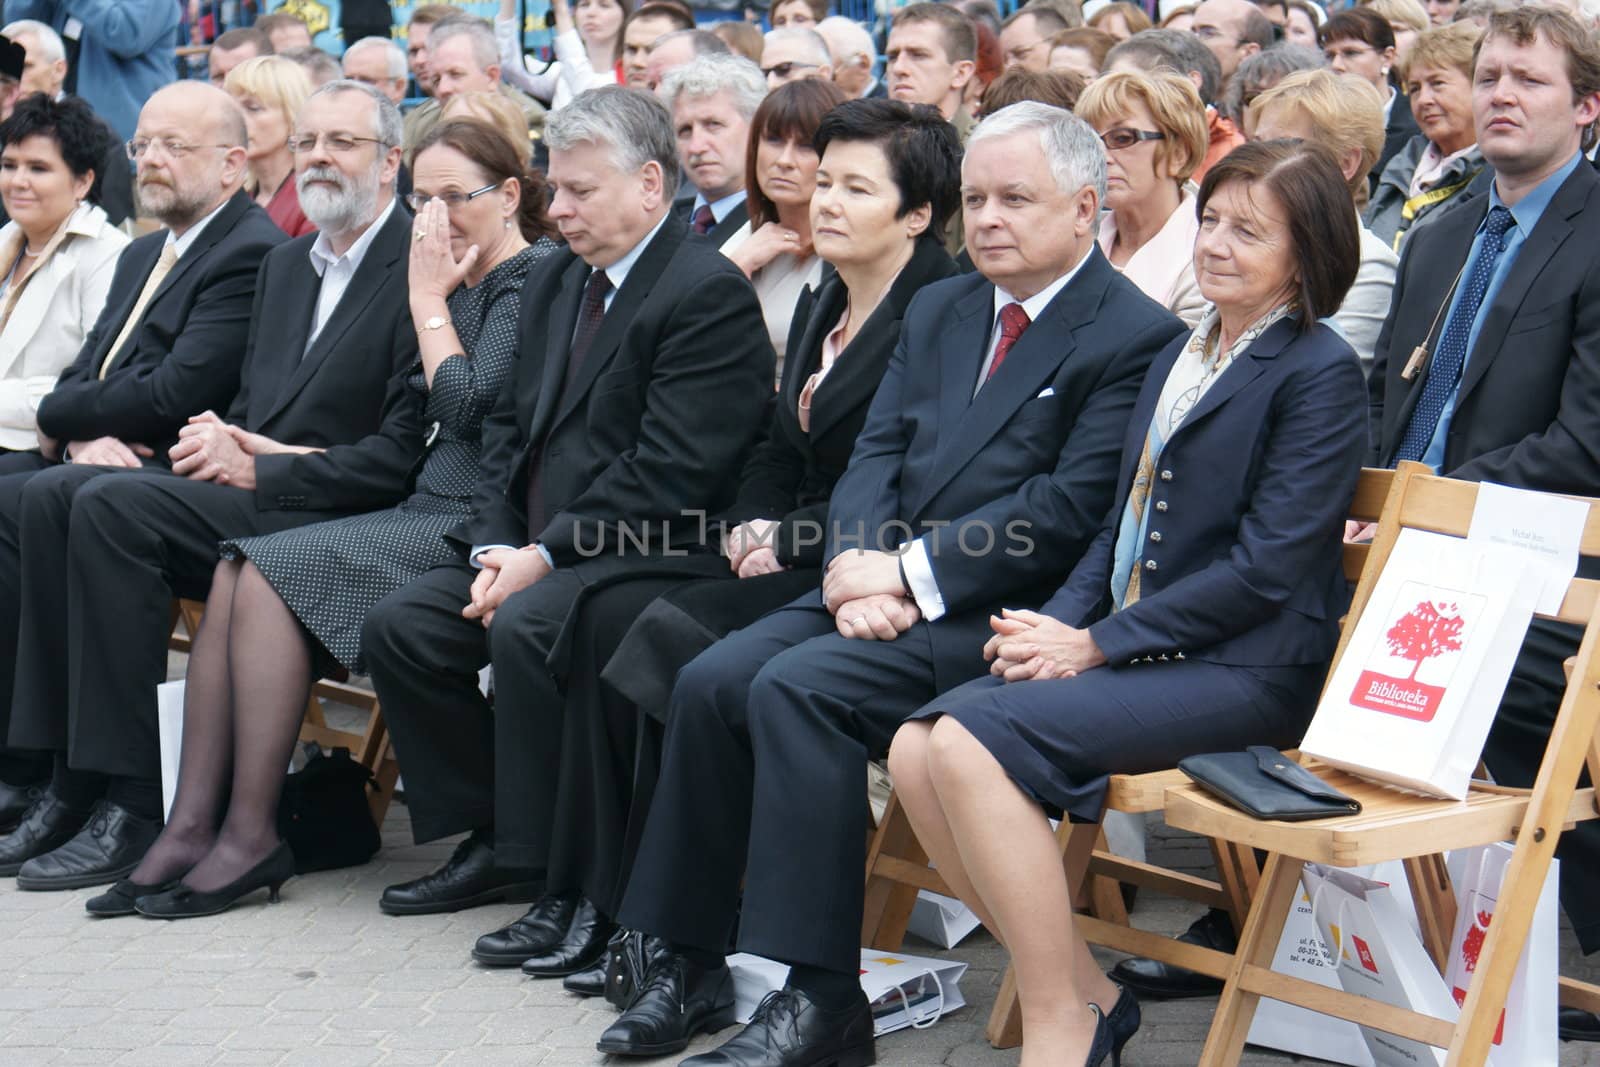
{"x": 323, "y": 426}
{"x": 167, "y": 345}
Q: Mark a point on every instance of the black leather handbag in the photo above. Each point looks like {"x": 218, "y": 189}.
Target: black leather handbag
{"x": 323, "y": 813}
{"x": 1263, "y": 782}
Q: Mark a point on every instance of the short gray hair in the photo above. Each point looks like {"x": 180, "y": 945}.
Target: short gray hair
{"x": 807, "y": 36}
{"x": 633, "y": 124}
{"x": 709, "y": 75}
{"x": 386, "y": 125}
{"x": 485, "y": 49}
{"x": 1071, "y": 148}
{"x": 50, "y": 45}
{"x": 846, "y": 38}
{"x": 1174, "y": 50}
{"x": 394, "y": 58}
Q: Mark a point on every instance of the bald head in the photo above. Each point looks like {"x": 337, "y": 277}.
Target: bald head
{"x": 191, "y": 140}
{"x": 1234, "y": 30}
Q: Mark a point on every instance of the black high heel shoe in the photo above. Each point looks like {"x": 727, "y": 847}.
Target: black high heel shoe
{"x": 1123, "y": 1021}
{"x": 184, "y": 902}
{"x": 1101, "y": 1048}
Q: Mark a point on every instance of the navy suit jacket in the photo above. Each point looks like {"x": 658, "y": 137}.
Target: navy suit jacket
{"x": 1242, "y": 555}
{"x": 1009, "y": 486}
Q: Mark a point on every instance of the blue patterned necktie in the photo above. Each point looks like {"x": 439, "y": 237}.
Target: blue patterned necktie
{"x": 1445, "y": 369}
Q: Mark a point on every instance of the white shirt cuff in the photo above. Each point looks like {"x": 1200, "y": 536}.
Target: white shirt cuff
{"x": 919, "y": 576}
{"x": 478, "y": 550}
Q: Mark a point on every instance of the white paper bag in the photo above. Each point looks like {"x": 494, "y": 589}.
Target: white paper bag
{"x": 941, "y": 920}
{"x": 902, "y": 990}
{"x": 1301, "y": 954}
{"x": 1412, "y": 700}
{"x": 169, "y": 724}
{"x": 1526, "y": 1035}
{"x": 1379, "y": 956}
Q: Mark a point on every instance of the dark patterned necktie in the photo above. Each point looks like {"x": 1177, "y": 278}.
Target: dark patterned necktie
{"x": 1445, "y": 369}
{"x": 703, "y": 220}
{"x": 1013, "y": 320}
{"x": 591, "y": 313}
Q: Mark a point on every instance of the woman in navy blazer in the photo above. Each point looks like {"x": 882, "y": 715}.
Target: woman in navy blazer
{"x": 1201, "y": 618}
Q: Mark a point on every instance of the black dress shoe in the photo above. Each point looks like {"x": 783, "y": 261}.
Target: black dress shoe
{"x": 543, "y": 926}
{"x": 628, "y": 957}
{"x": 1575, "y": 1024}
{"x": 15, "y": 800}
{"x": 583, "y": 945}
{"x": 1162, "y": 981}
{"x": 186, "y": 902}
{"x": 676, "y": 1001}
{"x": 108, "y": 847}
{"x": 589, "y": 982}
{"x": 119, "y": 899}
{"x": 469, "y": 878}
{"x": 45, "y": 826}
{"x": 789, "y": 1029}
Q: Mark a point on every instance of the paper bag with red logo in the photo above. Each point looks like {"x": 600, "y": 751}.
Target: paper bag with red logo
{"x": 1415, "y": 693}
{"x": 1378, "y": 954}
{"x": 1526, "y": 1033}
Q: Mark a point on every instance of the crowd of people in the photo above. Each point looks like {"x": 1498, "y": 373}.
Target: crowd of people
{"x": 755, "y": 408}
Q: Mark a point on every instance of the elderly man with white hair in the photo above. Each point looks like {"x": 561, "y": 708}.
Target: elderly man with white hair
{"x": 795, "y": 52}
{"x": 378, "y": 62}
{"x": 1040, "y": 354}
{"x": 712, "y": 100}
{"x": 854, "y": 57}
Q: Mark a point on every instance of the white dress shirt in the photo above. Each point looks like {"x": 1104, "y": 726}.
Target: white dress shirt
{"x": 336, "y": 270}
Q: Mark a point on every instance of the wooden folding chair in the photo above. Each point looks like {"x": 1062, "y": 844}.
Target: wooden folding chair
{"x": 897, "y": 867}
{"x": 368, "y": 745}
{"x": 1400, "y": 826}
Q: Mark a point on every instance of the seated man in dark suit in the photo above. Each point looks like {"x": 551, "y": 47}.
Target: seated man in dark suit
{"x": 152, "y": 359}
{"x": 987, "y": 462}
{"x": 643, "y": 377}
{"x": 322, "y": 426}
{"x": 713, "y": 99}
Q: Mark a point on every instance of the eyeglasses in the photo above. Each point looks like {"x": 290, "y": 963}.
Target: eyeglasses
{"x": 337, "y": 143}
{"x": 139, "y": 147}
{"x": 451, "y": 200}
{"x": 1123, "y": 137}
{"x": 783, "y": 70}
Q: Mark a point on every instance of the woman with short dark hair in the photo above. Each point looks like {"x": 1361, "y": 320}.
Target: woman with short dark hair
{"x": 58, "y": 254}
{"x": 1203, "y": 616}
{"x": 1359, "y": 41}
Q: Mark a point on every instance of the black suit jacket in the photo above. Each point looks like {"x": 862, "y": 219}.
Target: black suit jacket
{"x": 184, "y": 356}
{"x": 720, "y": 232}
{"x": 347, "y": 393}
{"x": 1528, "y": 409}
{"x": 792, "y": 472}
{"x": 659, "y": 414}
{"x": 1031, "y": 459}
{"x": 1246, "y": 514}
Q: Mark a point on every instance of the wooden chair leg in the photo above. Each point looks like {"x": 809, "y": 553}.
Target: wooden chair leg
{"x": 1005, "y": 1021}
{"x": 1435, "y": 902}
{"x": 888, "y": 903}
{"x": 1236, "y": 1008}
{"x": 1104, "y": 894}
{"x": 1239, "y": 877}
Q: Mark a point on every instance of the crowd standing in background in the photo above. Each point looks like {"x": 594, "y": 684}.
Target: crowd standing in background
{"x": 978, "y": 388}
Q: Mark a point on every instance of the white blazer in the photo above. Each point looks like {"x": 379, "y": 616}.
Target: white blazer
{"x": 52, "y": 316}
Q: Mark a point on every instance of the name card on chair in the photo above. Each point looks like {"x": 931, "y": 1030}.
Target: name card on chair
{"x": 1548, "y": 529}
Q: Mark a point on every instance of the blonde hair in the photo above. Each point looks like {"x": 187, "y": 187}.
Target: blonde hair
{"x": 276, "y": 82}
{"x": 1344, "y": 111}
{"x": 1448, "y": 47}
{"x": 1408, "y": 13}
{"x": 496, "y": 110}
{"x": 1173, "y": 104}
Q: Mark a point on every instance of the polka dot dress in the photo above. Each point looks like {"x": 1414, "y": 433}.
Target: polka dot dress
{"x": 330, "y": 574}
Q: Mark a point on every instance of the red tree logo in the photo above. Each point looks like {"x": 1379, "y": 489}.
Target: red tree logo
{"x": 1425, "y": 632}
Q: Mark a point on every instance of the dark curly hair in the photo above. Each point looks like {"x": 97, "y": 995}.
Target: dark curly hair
{"x": 84, "y": 140}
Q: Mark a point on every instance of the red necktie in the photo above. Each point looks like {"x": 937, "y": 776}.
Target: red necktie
{"x": 703, "y": 220}
{"x": 1013, "y": 320}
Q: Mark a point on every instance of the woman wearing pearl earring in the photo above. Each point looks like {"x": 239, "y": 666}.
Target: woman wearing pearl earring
{"x": 1361, "y": 42}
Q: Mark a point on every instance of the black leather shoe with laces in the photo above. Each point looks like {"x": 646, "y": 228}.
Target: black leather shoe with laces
{"x": 627, "y": 958}
{"x": 789, "y": 1029}
{"x": 542, "y": 926}
{"x": 45, "y": 826}
{"x": 676, "y": 1000}
{"x": 589, "y": 982}
{"x": 108, "y": 847}
{"x": 583, "y": 945}
{"x": 15, "y": 800}
{"x": 469, "y": 878}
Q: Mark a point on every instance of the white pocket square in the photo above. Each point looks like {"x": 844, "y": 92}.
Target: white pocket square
{"x": 1049, "y": 390}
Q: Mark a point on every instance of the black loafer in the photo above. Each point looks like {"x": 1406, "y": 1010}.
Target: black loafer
{"x": 589, "y": 982}
{"x": 118, "y": 900}
{"x": 107, "y": 848}
{"x": 1162, "y": 981}
{"x": 45, "y": 826}
{"x": 15, "y": 800}
{"x": 676, "y": 1001}
{"x": 583, "y": 945}
{"x": 1575, "y": 1024}
{"x": 789, "y": 1029}
{"x": 467, "y": 880}
{"x": 543, "y": 926}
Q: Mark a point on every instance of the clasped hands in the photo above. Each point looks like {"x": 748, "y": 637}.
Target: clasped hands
{"x": 210, "y": 450}
{"x": 866, "y": 596}
{"x": 1028, "y": 646}
{"x": 748, "y": 547}
{"x": 504, "y": 571}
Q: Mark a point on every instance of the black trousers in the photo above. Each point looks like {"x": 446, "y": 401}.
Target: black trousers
{"x": 104, "y": 552}
{"x": 764, "y": 774}
{"x": 16, "y": 468}
{"x": 1516, "y": 746}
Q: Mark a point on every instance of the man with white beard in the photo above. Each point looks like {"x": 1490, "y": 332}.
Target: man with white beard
{"x": 323, "y": 425}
